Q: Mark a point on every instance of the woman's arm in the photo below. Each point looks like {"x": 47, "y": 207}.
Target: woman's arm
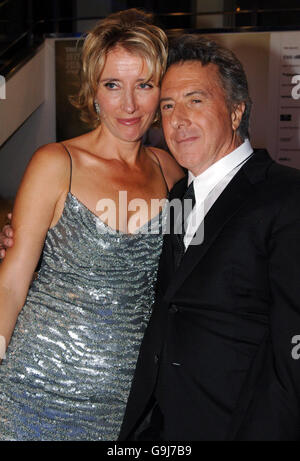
{"x": 46, "y": 179}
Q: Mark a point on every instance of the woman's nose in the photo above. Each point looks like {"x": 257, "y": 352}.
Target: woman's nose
{"x": 129, "y": 102}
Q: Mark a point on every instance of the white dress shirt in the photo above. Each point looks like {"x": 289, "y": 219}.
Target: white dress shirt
{"x": 211, "y": 183}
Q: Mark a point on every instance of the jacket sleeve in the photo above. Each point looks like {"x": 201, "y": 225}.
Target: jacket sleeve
{"x": 274, "y": 410}
{"x": 285, "y": 291}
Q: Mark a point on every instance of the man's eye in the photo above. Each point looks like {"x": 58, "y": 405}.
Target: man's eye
{"x": 166, "y": 106}
{"x": 196, "y": 101}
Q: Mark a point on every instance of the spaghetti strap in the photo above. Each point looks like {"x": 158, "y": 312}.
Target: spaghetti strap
{"x": 160, "y": 167}
{"x": 70, "y": 165}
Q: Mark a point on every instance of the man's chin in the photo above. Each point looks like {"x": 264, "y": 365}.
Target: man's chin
{"x": 189, "y": 162}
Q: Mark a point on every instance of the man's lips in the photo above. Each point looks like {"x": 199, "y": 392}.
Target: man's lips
{"x": 129, "y": 121}
{"x": 187, "y": 139}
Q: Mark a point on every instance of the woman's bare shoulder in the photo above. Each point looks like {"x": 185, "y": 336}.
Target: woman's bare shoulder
{"x": 81, "y": 142}
{"x": 81, "y": 146}
{"x": 52, "y": 152}
{"x": 172, "y": 170}
{"x": 50, "y": 161}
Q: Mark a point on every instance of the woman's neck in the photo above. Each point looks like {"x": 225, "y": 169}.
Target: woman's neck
{"x": 111, "y": 147}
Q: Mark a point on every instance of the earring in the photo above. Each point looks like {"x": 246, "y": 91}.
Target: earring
{"x": 97, "y": 108}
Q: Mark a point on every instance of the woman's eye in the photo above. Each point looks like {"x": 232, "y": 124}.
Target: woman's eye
{"x": 145, "y": 85}
{"x": 110, "y": 85}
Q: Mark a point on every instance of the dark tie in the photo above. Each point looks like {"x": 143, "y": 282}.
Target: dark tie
{"x": 188, "y": 203}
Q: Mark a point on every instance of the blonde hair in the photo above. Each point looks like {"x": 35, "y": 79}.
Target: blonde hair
{"x": 129, "y": 29}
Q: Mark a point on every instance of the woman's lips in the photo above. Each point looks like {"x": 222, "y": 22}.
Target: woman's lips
{"x": 129, "y": 121}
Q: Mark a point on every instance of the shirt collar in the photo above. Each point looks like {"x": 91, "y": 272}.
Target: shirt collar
{"x": 207, "y": 180}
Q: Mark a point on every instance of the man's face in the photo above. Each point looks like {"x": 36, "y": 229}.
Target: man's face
{"x": 198, "y": 125}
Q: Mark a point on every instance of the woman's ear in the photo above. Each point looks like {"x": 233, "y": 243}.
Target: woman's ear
{"x": 237, "y": 114}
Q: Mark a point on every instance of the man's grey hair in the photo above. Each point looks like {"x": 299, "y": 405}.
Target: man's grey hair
{"x": 231, "y": 72}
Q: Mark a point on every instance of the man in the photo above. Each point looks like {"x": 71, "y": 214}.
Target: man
{"x": 218, "y": 359}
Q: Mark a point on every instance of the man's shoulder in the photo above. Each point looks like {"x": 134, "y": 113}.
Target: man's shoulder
{"x": 284, "y": 173}
{"x": 278, "y": 185}
{"x": 275, "y": 174}
{"x": 284, "y": 181}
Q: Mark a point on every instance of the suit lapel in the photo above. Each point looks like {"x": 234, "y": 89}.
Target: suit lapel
{"x": 229, "y": 202}
{"x": 166, "y": 266}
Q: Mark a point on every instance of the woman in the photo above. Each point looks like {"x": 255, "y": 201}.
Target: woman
{"x": 74, "y": 344}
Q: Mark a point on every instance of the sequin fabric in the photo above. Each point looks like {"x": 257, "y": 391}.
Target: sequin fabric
{"x": 71, "y": 359}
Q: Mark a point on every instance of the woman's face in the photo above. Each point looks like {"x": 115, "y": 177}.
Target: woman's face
{"x": 127, "y": 101}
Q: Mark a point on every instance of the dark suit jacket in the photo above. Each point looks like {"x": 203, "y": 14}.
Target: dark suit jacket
{"x": 218, "y": 349}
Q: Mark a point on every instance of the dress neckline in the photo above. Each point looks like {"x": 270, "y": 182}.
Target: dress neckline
{"x": 118, "y": 231}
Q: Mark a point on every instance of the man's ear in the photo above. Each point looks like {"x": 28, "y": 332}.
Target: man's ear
{"x": 237, "y": 114}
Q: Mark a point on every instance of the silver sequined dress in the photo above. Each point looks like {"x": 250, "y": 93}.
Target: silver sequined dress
{"x": 71, "y": 359}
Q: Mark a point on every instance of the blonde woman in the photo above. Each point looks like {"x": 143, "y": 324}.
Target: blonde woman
{"x": 73, "y": 336}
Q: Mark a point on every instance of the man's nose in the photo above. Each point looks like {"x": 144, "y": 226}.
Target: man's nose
{"x": 180, "y": 117}
{"x": 129, "y": 104}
